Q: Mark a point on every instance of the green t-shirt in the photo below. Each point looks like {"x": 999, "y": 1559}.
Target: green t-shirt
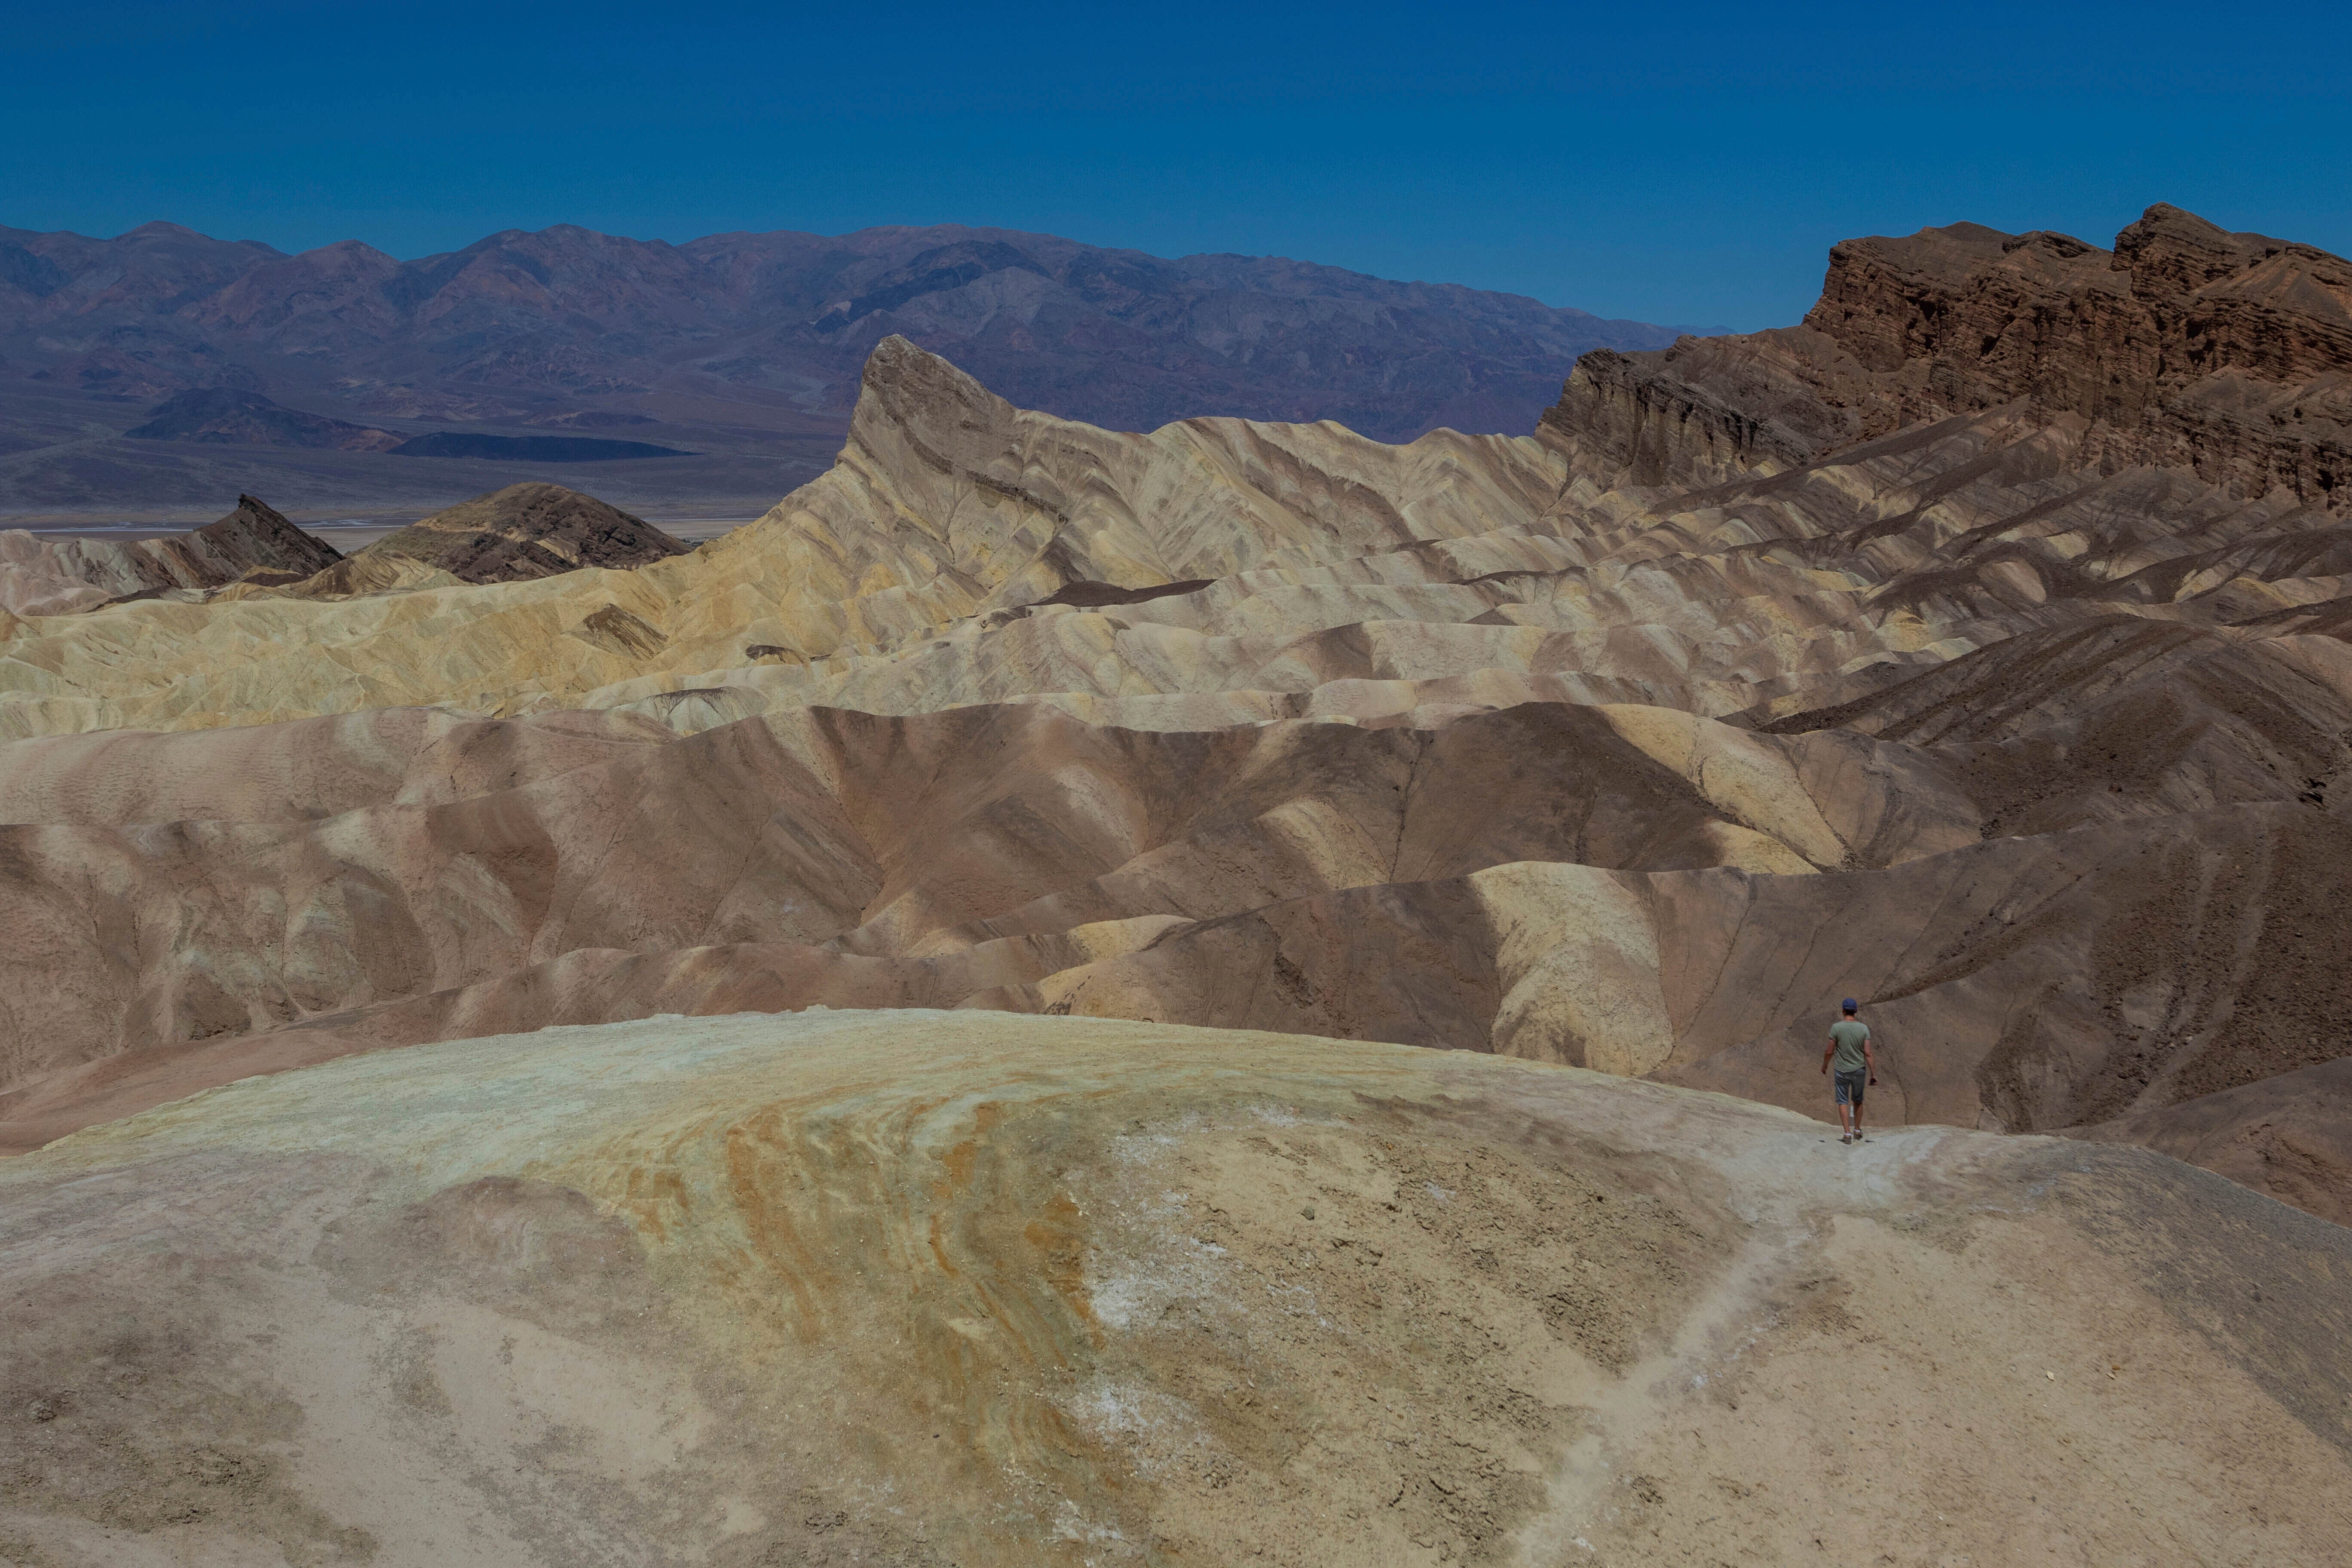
{"x": 1849, "y": 1034}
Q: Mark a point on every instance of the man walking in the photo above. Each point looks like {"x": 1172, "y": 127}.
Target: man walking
{"x": 1850, "y": 1048}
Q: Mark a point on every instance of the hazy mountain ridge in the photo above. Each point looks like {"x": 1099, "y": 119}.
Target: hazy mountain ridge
{"x": 756, "y": 334}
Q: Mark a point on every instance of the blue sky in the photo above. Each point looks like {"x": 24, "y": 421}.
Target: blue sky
{"x": 1687, "y": 164}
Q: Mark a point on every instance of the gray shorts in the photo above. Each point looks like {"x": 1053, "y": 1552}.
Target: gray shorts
{"x": 1849, "y": 1087}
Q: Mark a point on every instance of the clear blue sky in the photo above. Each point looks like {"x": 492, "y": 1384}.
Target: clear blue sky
{"x": 1687, "y": 163}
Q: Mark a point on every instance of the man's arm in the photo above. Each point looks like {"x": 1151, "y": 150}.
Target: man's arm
{"x": 1828, "y": 1051}
{"x": 1870, "y": 1060}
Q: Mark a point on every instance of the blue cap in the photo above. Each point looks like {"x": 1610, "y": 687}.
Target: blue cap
{"x": 1850, "y": 1004}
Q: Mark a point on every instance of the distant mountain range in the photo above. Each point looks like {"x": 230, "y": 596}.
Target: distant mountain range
{"x": 739, "y": 353}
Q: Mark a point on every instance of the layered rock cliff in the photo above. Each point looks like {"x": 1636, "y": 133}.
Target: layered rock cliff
{"x": 524, "y": 531}
{"x": 2186, "y": 347}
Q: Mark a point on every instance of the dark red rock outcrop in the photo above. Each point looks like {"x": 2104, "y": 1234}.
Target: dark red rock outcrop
{"x": 2185, "y": 346}
{"x": 256, "y": 540}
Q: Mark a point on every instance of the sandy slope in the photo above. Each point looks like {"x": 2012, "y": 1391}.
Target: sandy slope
{"x": 924, "y": 1288}
{"x": 2289, "y": 1135}
{"x": 1631, "y": 889}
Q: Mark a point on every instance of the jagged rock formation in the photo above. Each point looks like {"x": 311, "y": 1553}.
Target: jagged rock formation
{"x": 1472, "y": 742}
{"x": 1343, "y": 572}
{"x": 2186, "y": 347}
{"x": 517, "y": 534}
{"x": 954, "y": 1288}
{"x": 886, "y": 551}
{"x": 253, "y": 544}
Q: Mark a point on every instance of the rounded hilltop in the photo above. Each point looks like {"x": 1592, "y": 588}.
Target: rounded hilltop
{"x": 978, "y": 1289}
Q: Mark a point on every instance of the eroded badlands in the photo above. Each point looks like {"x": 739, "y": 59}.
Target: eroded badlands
{"x": 1294, "y": 893}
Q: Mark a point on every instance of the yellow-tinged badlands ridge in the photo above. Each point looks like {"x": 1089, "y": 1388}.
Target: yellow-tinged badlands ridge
{"x": 946, "y": 502}
{"x": 1343, "y": 578}
{"x": 912, "y": 576}
{"x": 965, "y": 1287}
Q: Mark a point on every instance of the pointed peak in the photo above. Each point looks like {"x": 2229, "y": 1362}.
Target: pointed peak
{"x": 2171, "y": 250}
{"x": 252, "y": 511}
{"x": 359, "y": 249}
{"x": 253, "y": 506}
{"x": 906, "y": 385}
{"x": 533, "y": 528}
{"x": 159, "y": 229}
{"x": 257, "y": 535}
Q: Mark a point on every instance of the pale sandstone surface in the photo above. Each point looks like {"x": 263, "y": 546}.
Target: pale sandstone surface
{"x": 932, "y": 1287}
